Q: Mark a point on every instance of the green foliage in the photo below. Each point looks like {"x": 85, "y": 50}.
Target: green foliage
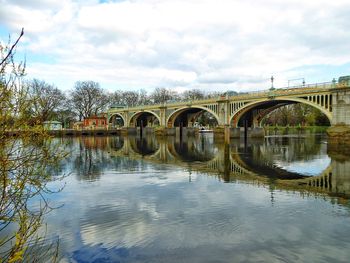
{"x": 24, "y": 167}
{"x": 271, "y": 130}
{"x": 296, "y": 114}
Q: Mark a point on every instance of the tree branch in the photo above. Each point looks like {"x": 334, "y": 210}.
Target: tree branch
{"x": 12, "y": 48}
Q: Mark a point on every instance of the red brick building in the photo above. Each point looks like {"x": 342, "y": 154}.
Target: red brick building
{"x": 95, "y": 122}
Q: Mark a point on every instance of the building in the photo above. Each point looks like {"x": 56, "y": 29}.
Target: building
{"x": 78, "y": 125}
{"x": 52, "y": 125}
{"x": 95, "y": 122}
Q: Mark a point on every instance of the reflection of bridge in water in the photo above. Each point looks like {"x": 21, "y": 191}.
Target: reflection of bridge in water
{"x": 233, "y": 162}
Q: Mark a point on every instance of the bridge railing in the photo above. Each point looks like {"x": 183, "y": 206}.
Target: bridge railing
{"x": 296, "y": 87}
{"x": 328, "y": 84}
{"x": 291, "y": 90}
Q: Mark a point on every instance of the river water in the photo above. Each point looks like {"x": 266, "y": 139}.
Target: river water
{"x": 278, "y": 199}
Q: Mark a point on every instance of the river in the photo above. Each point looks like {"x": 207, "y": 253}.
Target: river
{"x": 129, "y": 199}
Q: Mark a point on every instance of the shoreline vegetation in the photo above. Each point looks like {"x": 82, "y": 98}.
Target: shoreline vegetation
{"x": 282, "y": 130}
{"x": 28, "y": 162}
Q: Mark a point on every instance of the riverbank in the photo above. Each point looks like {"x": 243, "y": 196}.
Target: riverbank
{"x": 339, "y": 134}
{"x": 294, "y": 130}
{"x": 71, "y": 132}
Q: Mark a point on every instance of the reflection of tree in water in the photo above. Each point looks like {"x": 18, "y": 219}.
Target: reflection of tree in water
{"x": 90, "y": 158}
{"x": 261, "y": 156}
{"x": 291, "y": 149}
{"x": 201, "y": 150}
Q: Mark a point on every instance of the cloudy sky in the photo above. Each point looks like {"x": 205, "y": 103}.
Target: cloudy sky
{"x": 181, "y": 44}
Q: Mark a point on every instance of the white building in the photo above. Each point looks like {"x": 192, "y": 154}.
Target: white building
{"x": 52, "y": 125}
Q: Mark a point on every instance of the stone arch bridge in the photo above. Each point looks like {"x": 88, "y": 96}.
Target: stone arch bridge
{"x": 234, "y": 112}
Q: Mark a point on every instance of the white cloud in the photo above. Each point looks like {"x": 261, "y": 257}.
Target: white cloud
{"x": 184, "y": 44}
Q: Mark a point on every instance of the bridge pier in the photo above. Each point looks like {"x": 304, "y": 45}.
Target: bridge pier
{"x": 340, "y": 165}
{"x": 339, "y": 132}
{"x": 241, "y": 132}
{"x": 235, "y": 132}
{"x": 131, "y": 130}
{"x": 257, "y": 132}
{"x": 170, "y": 131}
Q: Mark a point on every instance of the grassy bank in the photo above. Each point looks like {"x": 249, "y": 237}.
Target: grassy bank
{"x": 278, "y": 130}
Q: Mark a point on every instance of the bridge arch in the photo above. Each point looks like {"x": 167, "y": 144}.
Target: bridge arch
{"x": 114, "y": 116}
{"x": 258, "y": 119}
{"x": 235, "y": 118}
{"x": 259, "y": 159}
{"x": 143, "y": 118}
{"x": 144, "y": 147}
{"x": 191, "y": 150}
{"x": 116, "y": 143}
{"x": 195, "y": 110}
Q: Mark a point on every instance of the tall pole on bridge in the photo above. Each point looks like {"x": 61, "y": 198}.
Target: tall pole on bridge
{"x": 272, "y": 79}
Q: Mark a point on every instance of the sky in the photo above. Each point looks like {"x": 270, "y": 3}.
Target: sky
{"x": 211, "y": 45}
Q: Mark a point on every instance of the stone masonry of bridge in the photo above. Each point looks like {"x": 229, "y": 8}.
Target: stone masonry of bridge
{"x": 236, "y": 113}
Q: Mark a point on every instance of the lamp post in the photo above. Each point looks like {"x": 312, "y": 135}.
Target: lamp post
{"x": 272, "y": 79}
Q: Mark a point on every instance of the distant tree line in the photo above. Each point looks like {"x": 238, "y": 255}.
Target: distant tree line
{"x": 87, "y": 98}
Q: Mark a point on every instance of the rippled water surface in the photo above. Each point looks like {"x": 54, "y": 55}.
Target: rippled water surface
{"x": 198, "y": 200}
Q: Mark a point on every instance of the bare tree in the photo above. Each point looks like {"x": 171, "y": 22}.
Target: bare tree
{"x": 130, "y": 98}
{"x": 194, "y": 94}
{"x": 88, "y": 98}
{"x": 215, "y": 94}
{"x": 116, "y": 98}
{"x": 162, "y": 95}
{"x": 143, "y": 98}
{"x": 65, "y": 116}
{"x": 46, "y": 100}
